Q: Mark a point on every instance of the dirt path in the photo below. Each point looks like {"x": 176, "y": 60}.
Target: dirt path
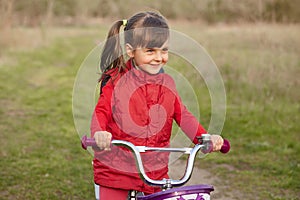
{"x": 202, "y": 176}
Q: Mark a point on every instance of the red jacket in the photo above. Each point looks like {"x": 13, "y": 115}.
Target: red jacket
{"x": 139, "y": 108}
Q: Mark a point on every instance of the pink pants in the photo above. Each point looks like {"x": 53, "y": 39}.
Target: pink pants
{"x": 106, "y": 193}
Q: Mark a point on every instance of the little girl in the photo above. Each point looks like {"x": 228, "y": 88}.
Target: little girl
{"x": 138, "y": 103}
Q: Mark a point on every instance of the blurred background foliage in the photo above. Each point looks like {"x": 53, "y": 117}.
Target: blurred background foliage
{"x": 41, "y": 12}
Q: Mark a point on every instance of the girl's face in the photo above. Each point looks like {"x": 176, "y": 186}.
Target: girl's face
{"x": 150, "y": 60}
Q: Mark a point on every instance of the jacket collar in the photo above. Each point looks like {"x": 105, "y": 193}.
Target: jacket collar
{"x": 143, "y": 76}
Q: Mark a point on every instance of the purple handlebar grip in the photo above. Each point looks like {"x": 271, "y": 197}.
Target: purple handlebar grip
{"x": 85, "y": 142}
{"x": 226, "y": 146}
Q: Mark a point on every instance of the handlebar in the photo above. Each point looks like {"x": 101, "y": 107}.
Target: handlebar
{"x": 85, "y": 142}
{"x": 205, "y": 147}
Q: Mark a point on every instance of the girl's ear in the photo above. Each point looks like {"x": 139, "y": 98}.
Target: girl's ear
{"x": 129, "y": 50}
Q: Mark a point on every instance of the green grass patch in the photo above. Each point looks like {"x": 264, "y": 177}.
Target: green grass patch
{"x": 41, "y": 156}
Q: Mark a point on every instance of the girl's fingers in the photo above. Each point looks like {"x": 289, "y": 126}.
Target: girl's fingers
{"x": 217, "y": 142}
{"x": 103, "y": 139}
{"x": 107, "y": 140}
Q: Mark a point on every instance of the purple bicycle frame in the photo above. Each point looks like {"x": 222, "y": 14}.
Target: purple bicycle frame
{"x": 195, "y": 192}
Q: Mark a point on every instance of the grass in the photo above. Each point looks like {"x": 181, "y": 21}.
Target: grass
{"x": 41, "y": 157}
{"x": 260, "y": 75}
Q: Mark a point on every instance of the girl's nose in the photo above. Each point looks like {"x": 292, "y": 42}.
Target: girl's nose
{"x": 158, "y": 56}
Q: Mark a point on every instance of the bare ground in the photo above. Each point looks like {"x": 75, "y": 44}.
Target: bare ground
{"x": 200, "y": 176}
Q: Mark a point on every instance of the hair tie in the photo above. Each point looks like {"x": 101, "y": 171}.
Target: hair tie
{"x": 125, "y": 22}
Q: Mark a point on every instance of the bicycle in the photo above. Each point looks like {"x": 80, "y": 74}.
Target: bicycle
{"x": 194, "y": 192}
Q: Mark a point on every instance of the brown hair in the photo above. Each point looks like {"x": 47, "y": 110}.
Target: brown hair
{"x": 144, "y": 29}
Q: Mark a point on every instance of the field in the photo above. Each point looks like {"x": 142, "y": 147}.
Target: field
{"x": 41, "y": 156}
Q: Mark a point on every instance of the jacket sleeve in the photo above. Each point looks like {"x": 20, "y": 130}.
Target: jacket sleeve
{"x": 188, "y": 123}
{"x": 102, "y": 112}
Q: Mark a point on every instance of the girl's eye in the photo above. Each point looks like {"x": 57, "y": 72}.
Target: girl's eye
{"x": 165, "y": 50}
{"x": 149, "y": 50}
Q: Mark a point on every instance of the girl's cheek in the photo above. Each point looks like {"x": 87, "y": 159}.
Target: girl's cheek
{"x": 166, "y": 58}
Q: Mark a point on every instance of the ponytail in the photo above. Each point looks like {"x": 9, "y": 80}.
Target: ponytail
{"x": 112, "y": 54}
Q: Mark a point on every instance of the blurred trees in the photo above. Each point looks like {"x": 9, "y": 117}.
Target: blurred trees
{"x": 36, "y": 12}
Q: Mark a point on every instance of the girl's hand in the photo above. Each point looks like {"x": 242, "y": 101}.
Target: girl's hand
{"x": 103, "y": 139}
{"x": 217, "y": 141}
